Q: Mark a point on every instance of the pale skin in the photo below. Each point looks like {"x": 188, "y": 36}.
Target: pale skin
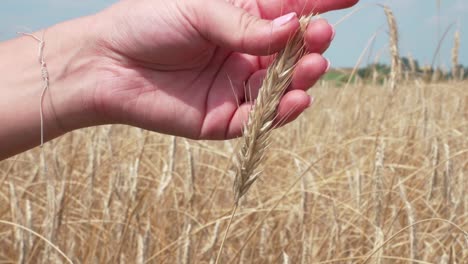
{"x": 177, "y": 67}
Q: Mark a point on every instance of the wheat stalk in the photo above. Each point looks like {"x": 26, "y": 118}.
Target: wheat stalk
{"x": 185, "y": 250}
{"x": 212, "y": 242}
{"x": 140, "y": 252}
{"x": 168, "y": 169}
{"x": 256, "y": 132}
{"x": 378, "y": 249}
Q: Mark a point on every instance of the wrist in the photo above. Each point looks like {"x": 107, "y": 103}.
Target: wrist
{"x": 68, "y": 56}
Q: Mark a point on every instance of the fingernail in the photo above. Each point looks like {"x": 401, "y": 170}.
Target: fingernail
{"x": 328, "y": 65}
{"x": 283, "y": 20}
{"x": 333, "y": 32}
{"x": 311, "y": 101}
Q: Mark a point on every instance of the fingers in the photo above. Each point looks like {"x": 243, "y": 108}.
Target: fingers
{"x": 253, "y": 85}
{"x": 235, "y": 29}
{"x": 308, "y": 70}
{"x": 318, "y": 37}
{"x": 243, "y": 32}
{"x": 271, "y": 9}
{"x": 291, "y": 106}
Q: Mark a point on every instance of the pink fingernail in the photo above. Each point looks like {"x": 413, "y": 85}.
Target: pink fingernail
{"x": 333, "y": 32}
{"x": 328, "y": 65}
{"x": 311, "y": 101}
{"x": 283, "y": 20}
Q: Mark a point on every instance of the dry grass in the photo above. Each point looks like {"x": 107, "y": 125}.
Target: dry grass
{"x": 353, "y": 197}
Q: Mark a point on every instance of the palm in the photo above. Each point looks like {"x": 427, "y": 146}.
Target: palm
{"x": 180, "y": 84}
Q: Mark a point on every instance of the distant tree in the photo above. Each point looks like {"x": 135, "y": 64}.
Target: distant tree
{"x": 406, "y": 64}
{"x": 461, "y": 72}
{"x": 367, "y": 72}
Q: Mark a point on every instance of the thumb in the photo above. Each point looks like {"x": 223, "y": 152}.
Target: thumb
{"x": 234, "y": 28}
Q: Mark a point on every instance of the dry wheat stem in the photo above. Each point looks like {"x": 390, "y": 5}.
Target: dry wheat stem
{"x": 361, "y": 57}
{"x": 436, "y": 55}
{"x": 234, "y": 209}
{"x": 261, "y": 118}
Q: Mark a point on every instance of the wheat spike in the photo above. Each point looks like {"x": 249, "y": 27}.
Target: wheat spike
{"x": 411, "y": 220}
{"x": 257, "y": 130}
{"x": 435, "y": 160}
{"x": 378, "y": 182}
{"x": 455, "y": 53}
{"x": 413, "y": 68}
{"x": 396, "y": 64}
{"x": 447, "y": 192}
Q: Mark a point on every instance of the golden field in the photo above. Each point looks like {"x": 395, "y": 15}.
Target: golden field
{"x": 364, "y": 176}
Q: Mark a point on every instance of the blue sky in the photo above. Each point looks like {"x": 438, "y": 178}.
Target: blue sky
{"x": 417, "y": 21}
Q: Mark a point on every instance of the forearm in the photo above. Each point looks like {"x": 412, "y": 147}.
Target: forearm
{"x": 64, "y": 108}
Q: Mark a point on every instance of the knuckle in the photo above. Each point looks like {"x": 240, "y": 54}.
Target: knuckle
{"x": 246, "y": 23}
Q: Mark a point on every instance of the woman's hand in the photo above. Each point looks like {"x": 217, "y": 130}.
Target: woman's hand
{"x": 186, "y": 67}
{"x": 183, "y": 67}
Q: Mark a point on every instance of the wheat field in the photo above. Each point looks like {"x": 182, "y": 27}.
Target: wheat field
{"x": 365, "y": 176}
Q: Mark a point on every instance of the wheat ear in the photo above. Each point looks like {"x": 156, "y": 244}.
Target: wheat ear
{"x": 455, "y": 54}
{"x": 396, "y": 64}
{"x": 256, "y": 132}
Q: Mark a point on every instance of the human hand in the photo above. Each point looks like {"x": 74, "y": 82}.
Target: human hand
{"x": 183, "y": 67}
{"x": 179, "y": 67}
